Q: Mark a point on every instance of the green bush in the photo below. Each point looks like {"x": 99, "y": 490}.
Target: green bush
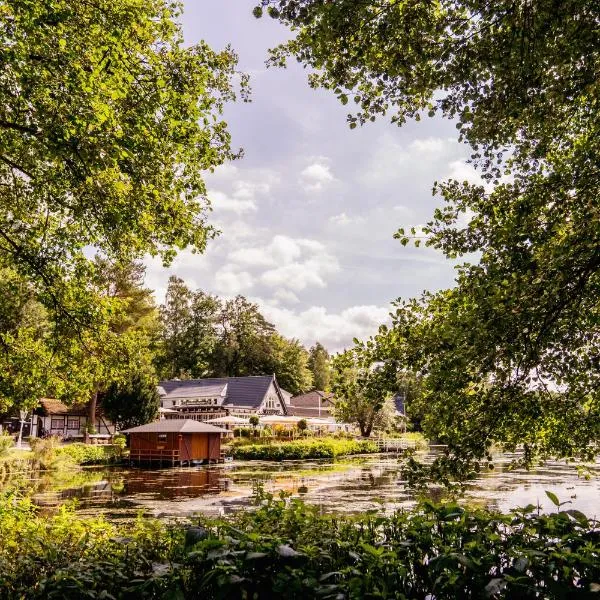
{"x": 6, "y": 443}
{"x": 46, "y": 453}
{"x": 302, "y": 449}
{"x": 86, "y": 454}
{"x": 287, "y": 550}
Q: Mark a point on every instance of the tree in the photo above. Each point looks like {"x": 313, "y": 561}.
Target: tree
{"x": 318, "y": 363}
{"x": 243, "y": 346}
{"x": 107, "y": 123}
{"x": 134, "y": 402}
{"x": 302, "y": 425}
{"x": 511, "y": 353}
{"x": 188, "y": 332}
{"x": 25, "y": 344}
{"x": 361, "y": 389}
{"x": 288, "y": 359}
{"x": 254, "y": 421}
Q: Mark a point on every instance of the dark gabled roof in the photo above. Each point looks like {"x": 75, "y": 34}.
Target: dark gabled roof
{"x": 241, "y": 391}
{"x": 175, "y": 426}
{"x": 303, "y": 411}
{"x": 195, "y": 391}
{"x": 313, "y": 399}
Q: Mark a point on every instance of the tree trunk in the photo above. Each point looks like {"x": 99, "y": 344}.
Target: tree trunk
{"x": 365, "y": 428}
{"x": 91, "y": 419}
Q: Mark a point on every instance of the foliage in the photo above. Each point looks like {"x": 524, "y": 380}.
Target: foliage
{"x": 107, "y": 123}
{"x": 361, "y": 389}
{"x": 254, "y": 421}
{"x": 206, "y": 336}
{"x": 320, "y": 367}
{"x": 288, "y": 359}
{"x": 88, "y": 454}
{"x": 286, "y": 549}
{"x": 133, "y": 403}
{"x": 302, "y": 449}
{"x": 46, "y": 453}
{"x": 6, "y": 443}
{"x": 188, "y": 331}
{"x": 511, "y": 352}
{"x": 62, "y": 556}
{"x": 302, "y": 425}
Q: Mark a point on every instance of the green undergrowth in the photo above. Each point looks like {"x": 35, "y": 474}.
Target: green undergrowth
{"x": 310, "y": 448}
{"x": 286, "y": 549}
{"x": 86, "y": 454}
{"x": 49, "y": 455}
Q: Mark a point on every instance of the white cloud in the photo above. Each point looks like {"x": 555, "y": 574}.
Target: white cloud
{"x": 462, "y": 171}
{"x": 223, "y": 202}
{"x": 235, "y": 230}
{"x": 419, "y": 162}
{"x": 285, "y": 296}
{"x": 344, "y": 219}
{"x": 430, "y": 145}
{"x": 334, "y": 330}
{"x": 294, "y": 263}
{"x": 230, "y": 282}
{"x": 316, "y": 176}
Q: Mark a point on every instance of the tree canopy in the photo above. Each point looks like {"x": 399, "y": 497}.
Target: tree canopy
{"x": 205, "y": 336}
{"x": 133, "y": 402}
{"x": 320, "y": 367}
{"x": 511, "y": 354}
{"x": 107, "y": 123}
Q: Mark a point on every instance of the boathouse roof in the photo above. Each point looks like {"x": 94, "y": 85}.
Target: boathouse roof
{"x": 175, "y": 426}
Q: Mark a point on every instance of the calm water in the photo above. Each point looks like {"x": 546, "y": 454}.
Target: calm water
{"x": 352, "y": 485}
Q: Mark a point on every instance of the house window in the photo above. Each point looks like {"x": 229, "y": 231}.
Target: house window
{"x": 57, "y": 423}
{"x": 73, "y": 423}
{"x": 162, "y": 437}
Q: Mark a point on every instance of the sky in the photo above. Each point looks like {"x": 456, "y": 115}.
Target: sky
{"x": 307, "y": 216}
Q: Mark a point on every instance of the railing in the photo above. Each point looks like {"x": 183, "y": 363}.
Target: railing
{"x": 154, "y": 454}
{"x": 394, "y": 444}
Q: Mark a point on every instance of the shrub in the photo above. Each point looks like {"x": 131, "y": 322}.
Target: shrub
{"x": 45, "y": 452}
{"x": 86, "y": 454}
{"x": 302, "y": 449}
{"x": 287, "y": 550}
{"x": 6, "y": 443}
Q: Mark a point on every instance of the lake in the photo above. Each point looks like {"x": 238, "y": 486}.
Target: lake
{"x": 348, "y": 485}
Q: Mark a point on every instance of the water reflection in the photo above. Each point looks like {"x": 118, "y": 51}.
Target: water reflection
{"x": 352, "y": 485}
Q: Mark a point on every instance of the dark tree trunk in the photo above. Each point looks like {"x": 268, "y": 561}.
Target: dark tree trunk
{"x": 365, "y": 428}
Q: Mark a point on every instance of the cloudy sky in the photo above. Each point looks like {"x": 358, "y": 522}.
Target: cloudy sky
{"x": 307, "y": 216}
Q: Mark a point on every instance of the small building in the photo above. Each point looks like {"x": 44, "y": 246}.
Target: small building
{"x": 53, "y": 417}
{"x": 218, "y": 397}
{"x": 174, "y": 442}
{"x": 312, "y": 404}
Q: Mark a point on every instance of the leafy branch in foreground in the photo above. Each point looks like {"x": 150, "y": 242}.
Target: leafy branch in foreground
{"x": 286, "y": 549}
{"x": 510, "y": 355}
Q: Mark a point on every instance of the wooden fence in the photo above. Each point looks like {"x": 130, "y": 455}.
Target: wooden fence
{"x": 394, "y": 444}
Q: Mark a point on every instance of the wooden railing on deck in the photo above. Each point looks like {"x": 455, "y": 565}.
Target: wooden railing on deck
{"x": 167, "y": 455}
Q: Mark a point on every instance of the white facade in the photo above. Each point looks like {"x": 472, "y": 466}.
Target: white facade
{"x": 71, "y": 426}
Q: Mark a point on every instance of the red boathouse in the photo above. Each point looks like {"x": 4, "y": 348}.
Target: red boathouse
{"x": 174, "y": 442}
